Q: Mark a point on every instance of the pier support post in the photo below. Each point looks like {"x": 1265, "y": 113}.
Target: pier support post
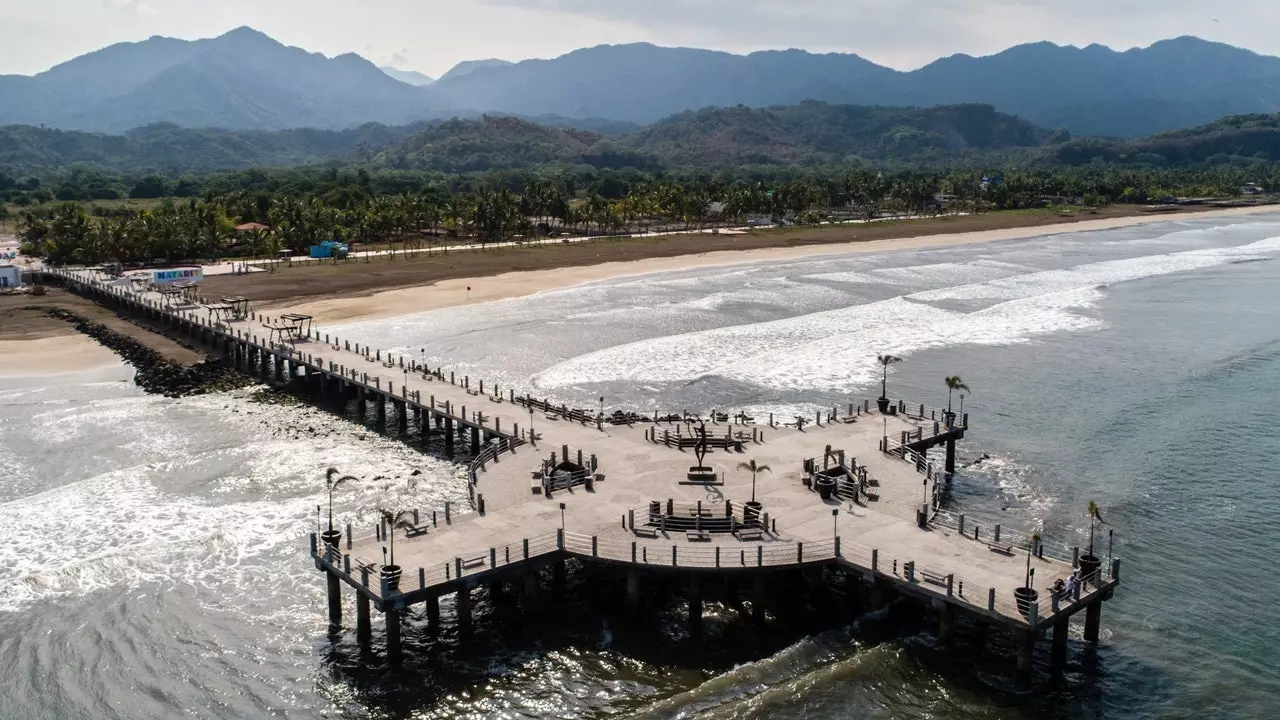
{"x": 381, "y": 403}
{"x": 1026, "y": 645}
{"x": 364, "y": 626}
{"x": 633, "y": 590}
{"x": 1092, "y": 621}
{"x": 402, "y": 416}
{"x": 464, "y": 609}
{"x": 393, "y": 636}
{"x": 758, "y": 590}
{"x": 951, "y": 457}
{"x": 1058, "y": 651}
{"x": 946, "y": 622}
{"x": 360, "y": 403}
{"x": 448, "y": 436}
{"x": 335, "y": 601}
{"x": 530, "y": 585}
{"x": 433, "y": 614}
{"x": 695, "y": 605}
{"x": 475, "y": 439}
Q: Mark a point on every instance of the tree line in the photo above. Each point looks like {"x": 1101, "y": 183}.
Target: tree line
{"x": 367, "y": 208}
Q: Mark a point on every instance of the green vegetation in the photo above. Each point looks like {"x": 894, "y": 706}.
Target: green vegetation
{"x": 38, "y": 165}
{"x": 303, "y": 209}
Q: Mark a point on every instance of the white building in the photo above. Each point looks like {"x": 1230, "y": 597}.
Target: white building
{"x": 10, "y": 276}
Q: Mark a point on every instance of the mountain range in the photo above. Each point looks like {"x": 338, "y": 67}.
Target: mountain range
{"x": 246, "y": 80}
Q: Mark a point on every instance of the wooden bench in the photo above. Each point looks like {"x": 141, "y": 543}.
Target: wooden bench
{"x": 933, "y": 577}
{"x": 1002, "y": 548}
{"x": 413, "y": 531}
{"x": 535, "y": 486}
{"x": 872, "y": 494}
{"x": 476, "y": 561}
{"x": 698, "y": 535}
{"x": 645, "y": 531}
{"x": 749, "y": 533}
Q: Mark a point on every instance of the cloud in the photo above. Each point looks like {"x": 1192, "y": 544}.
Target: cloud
{"x": 135, "y": 7}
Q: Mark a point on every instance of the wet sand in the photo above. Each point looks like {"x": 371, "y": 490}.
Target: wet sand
{"x": 350, "y": 305}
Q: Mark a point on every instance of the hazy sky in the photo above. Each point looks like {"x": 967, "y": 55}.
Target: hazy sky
{"x": 432, "y": 35}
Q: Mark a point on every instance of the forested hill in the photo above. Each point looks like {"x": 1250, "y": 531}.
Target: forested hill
{"x": 1236, "y": 139}
{"x": 499, "y": 143}
{"x": 172, "y": 150}
{"x": 819, "y": 133}
{"x": 808, "y": 134}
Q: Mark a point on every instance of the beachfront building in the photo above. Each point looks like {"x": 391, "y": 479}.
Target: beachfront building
{"x": 10, "y": 276}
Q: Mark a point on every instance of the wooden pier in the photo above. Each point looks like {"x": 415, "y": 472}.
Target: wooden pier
{"x": 850, "y": 489}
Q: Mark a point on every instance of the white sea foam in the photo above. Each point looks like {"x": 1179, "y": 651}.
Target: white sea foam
{"x": 835, "y": 349}
{"x": 1108, "y": 272}
{"x": 189, "y": 507}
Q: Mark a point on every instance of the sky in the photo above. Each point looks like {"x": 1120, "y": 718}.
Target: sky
{"x": 431, "y": 36}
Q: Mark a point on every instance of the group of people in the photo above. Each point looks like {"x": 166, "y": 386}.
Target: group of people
{"x": 1070, "y": 587}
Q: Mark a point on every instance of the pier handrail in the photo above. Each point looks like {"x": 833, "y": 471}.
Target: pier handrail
{"x": 964, "y": 525}
{"x": 923, "y": 465}
{"x": 686, "y": 555}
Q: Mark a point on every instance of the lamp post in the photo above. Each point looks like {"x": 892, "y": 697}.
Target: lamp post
{"x": 562, "y": 517}
{"x": 835, "y": 523}
{"x": 600, "y": 417}
{"x": 533, "y": 439}
{"x": 423, "y": 362}
{"x": 962, "y": 407}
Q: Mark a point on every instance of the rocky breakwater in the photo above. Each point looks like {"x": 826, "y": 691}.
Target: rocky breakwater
{"x": 156, "y": 373}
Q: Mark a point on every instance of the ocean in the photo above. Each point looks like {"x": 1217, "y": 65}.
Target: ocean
{"x": 155, "y": 565}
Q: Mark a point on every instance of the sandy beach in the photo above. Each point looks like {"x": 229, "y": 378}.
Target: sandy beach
{"x": 58, "y": 355}
{"x": 463, "y": 291}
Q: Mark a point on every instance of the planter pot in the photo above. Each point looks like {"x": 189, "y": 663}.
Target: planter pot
{"x": 332, "y": 538}
{"x": 883, "y": 404}
{"x": 391, "y": 576}
{"x": 826, "y": 486}
{"x": 1025, "y": 597}
{"x": 1089, "y": 565}
{"x": 751, "y": 512}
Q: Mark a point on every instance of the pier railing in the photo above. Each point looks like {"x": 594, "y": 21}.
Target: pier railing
{"x": 687, "y": 555}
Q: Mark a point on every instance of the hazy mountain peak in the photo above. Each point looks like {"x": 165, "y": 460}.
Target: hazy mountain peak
{"x": 412, "y": 77}
{"x": 466, "y": 67}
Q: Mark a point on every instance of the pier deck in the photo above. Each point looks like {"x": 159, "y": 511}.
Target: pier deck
{"x": 888, "y": 539}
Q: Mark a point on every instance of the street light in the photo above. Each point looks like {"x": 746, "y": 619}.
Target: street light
{"x": 561, "y": 517}
{"x": 835, "y": 523}
{"x": 600, "y": 417}
{"x": 962, "y": 406}
{"x": 533, "y": 439}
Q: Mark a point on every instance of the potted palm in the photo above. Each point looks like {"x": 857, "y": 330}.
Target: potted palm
{"x": 1089, "y": 563}
{"x": 1026, "y": 595}
{"x": 752, "y": 511}
{"x": 394, "y": 519}
{"x": 332, "y": 481}
{"x": 954, "y": 383}
{"x": 885, "y": 361}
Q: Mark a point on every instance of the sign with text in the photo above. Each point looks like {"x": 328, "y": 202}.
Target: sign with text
{"x": 176, "y": 275}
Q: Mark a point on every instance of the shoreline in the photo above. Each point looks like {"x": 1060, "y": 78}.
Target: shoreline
{"x": 55, "y": 356}
{"x": 456, "y": 292}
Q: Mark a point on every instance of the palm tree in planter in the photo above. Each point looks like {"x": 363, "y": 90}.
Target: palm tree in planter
{"x": 1089, "y": 563}
{"x": 394, "y": 519}
{"x": 752, "y": 511}
{"x": 954, "y": 383}
{"x": 332, "y": 481}
{"x": 1026, "y": 595}
{"x": 885, "y": 361}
